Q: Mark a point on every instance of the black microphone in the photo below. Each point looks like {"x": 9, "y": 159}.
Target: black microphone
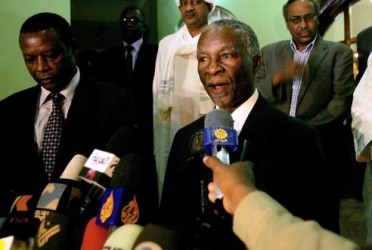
{"x": 58, "y": 231}
{"x": 58, "y": 210}
{"x": 20, "y": 222}
{"x": 119, "y": 203}
{"x": 220, "y": 138}
{"x": 99, "y": 167}
{"x": 64, "y": 196}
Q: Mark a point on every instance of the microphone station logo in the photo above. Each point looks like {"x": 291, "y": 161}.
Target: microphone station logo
{"x": 20, "y": 210}
{"x": 148, "y": 245}
{"x": 44, "y": 234}
{"x": 221, "y": 136}
{"x": 109, "y": 212}
{"x": 130, "y": 212}
{"x": 98, "y": 163}
{"x": 107, "y": 208}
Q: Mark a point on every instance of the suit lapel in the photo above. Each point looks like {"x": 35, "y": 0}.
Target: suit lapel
{"x": 316, "y": 57}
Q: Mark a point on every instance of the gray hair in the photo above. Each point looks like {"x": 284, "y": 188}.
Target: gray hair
{"x": 248, "y": 37}
{"x": 289, "y": 2}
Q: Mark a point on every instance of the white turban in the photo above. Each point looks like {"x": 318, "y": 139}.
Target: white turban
{"x": 213, "y": 2}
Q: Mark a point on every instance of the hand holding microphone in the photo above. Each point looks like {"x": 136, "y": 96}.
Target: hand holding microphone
{"x": 235, "y": 181}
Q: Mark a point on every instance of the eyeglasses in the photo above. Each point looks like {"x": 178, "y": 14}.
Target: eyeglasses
{"x": 131, "y": 20}
{"x": 184, "y": 3}
{"x": 298, "y": 19}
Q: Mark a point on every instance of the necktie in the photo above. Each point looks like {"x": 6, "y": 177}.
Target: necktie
{"x": 52, "y": 135}
{"x": 129, "y": 61}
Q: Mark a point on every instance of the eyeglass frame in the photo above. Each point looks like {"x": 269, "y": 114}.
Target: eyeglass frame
{"x": 296, "y": 20}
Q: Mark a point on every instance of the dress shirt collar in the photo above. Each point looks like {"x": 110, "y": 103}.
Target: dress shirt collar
{"x": 136, "y": 45}
{"x": 68, "y": 92}
{"x": 308, "y": 47}
{"x": 241, "y": 113}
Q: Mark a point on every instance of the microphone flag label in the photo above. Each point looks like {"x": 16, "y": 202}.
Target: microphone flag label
{"x": 220, "y": 136}
{"x": 99, "y": 161}
{"x": 110, "y": 209}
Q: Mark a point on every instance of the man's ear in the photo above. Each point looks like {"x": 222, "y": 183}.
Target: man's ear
{"x": 210, "y": 7}
{"x": 257, "y": 61}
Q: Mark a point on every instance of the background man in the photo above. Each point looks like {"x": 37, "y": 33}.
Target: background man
{"x": 179, "y": 97}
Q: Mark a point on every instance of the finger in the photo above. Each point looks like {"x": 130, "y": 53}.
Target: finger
{"x": 211, "y": 161}
{"x": 211, "y": 197}
{"x": 211, "y": 187}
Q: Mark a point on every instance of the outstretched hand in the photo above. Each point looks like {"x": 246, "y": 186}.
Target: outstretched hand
{"x": 235, "y": 181}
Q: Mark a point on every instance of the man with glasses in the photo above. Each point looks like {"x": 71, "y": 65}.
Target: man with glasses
{"x": 312, "y": 79}
{"x": 178, "y": 95}
{"x": 132, "y": 69}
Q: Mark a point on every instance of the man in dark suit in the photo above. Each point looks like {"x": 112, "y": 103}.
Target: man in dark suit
{"x": 364, "y": 48}
{"x": 312, "y": 79}
{"x": 285, "y": 152}
{"x": 112, "y": 63}
{"x": 93, "y": 111}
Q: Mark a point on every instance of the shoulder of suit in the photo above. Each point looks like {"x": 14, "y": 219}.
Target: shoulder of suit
{"x": 276, "y": 44}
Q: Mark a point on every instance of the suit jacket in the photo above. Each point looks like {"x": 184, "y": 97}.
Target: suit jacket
{"x": 288, "y": 165}
{"x": 110, "y": 68}
{"x": 97, "y": 111}
{"x": 324, "y": 100}
{"x": 327, "y": 87}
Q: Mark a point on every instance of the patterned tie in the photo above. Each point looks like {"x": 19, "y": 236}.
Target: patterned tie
{"x": 52, "y": 134}
{"x": 129, "y": 62}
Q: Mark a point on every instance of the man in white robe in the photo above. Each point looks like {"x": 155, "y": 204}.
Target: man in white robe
{"x": 178, "y": 95}
{"x": 361, "y": 111}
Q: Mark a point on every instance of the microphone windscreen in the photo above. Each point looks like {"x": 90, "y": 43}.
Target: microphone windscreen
{"x": 154, "y": 237}
{"x": 11, "y": 243}
{"x": 123, "y": 237}
{"x": 21, "y": 222}
{"x": 2, "y": 220}
{"x": 94, "y": 236}
{"x": 219, "y": 132}
{"x": 218, "y": 118}
{"x": 60, "y": 197}
{"x": 58, "y": 231}
{"x": 125, "y": 140}
{"x": 74, "y": 167}
{"x": 127, "y": 172}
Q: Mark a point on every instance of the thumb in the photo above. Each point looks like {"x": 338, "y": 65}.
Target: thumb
{"x": 211, "y": 162}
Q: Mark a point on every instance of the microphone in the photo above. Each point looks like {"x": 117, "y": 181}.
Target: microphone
{"x": 94, "y": 236}
{"x": 156, "y": 237}
{"x": 11, "y": 243}
{"x": 21, "y": 222}
{"x": 220, "y": 138}
{"x": 74, "y": 168}
{"x": 123, "y": 237}
{"x": 58, "y": 209}
{"x": 100, "y": 165}
{"x": 119, "y": 203}
{"x": 59, "y": 197}
{"x": 58, "y": 231}
{"x": 66, "y": 195}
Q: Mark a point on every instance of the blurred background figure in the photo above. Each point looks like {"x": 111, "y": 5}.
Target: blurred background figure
{"x": 179, "y": 96}
{"x": 132, "y": 70}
